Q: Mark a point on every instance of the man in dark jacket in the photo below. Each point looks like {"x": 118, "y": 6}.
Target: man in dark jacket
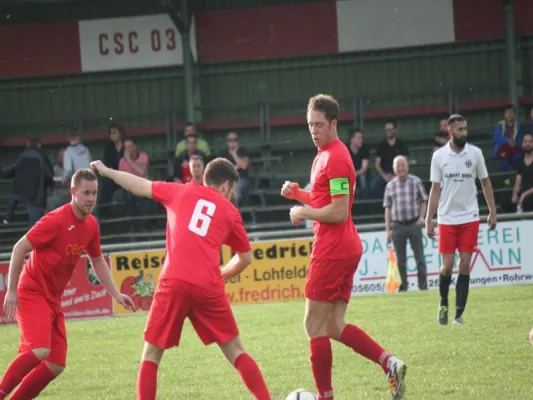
{"x": 113, "y": 152}
{"x": 33, "y": 174}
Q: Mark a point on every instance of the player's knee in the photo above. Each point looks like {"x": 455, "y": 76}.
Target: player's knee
{"x": 335, "y": 327}
{"x": 55, "y": 369}
{"x": 152, "y": 353}
{"x": 464, "y": 268}
{"x": 315, "y": 326}
{"x": 464, "y": 264}
{"x": 232, "y": 350}
{"x": 41, "y": 353}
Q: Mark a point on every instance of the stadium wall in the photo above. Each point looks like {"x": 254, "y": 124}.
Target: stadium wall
{"x": 279, "y": 269}
{"x": 133, "y": 65}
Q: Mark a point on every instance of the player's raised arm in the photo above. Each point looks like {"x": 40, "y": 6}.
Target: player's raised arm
{"x": 16, "y": 264}
{"x": 138, "y": 186}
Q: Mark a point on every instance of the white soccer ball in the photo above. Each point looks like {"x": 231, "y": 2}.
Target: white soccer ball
{"x": 301, "y": 394}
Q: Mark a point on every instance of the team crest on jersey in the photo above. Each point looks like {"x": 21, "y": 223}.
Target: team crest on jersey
{"x": 468, "y": 163}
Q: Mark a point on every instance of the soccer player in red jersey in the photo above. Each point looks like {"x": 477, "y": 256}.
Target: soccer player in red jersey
{"x": 200, "y": 219}
{"x": 337, "y": 250}
{"x": 34, "y": 292}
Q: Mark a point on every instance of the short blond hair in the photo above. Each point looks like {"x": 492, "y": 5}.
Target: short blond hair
{"x": 83, "y": 174}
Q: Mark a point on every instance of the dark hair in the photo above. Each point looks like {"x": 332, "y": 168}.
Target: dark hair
{"x": 80, "y": 175}
{"x": 189, "y": 124}
{"x": 355, "y": 131}
{"x": 197, "y": 157}
{"x": 455, "y": 118}
{"x": 527, "y": 134}
{"x": 129, "y": 138}
{"x": 391, "y": 121}
{"x": 34, "y": 141}
{"x": 219, "y": 171}
{"x": 325, "y": 104}
{"x": 510, "y": 107}
{"x": 116, "y": 125}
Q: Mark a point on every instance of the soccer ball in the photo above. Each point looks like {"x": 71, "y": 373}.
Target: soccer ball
{"x": 301, "y": 394}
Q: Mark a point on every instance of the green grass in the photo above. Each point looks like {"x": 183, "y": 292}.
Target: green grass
{"x": 489, "y": 357}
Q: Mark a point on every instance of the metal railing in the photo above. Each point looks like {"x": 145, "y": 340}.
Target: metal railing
{"x": 279, "y": 234}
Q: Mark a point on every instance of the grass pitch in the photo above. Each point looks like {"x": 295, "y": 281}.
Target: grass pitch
{"x": 489, "y": 357}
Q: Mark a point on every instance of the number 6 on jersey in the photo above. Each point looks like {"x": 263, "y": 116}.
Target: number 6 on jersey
{"x": 201, "y": 217}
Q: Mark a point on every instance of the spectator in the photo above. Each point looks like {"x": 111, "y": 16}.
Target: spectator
{"x": 76, "y": 156}
{"x": 385, "y": 154}
{"x": 523, "y": 187}
{"x": 190, "y": 130}
{"x": 360, "y": 156}
{"x": 405, "y": 204}
{"x": 443, "y": 136}
{"x": 239, "y": 157}
{"x": 507, "y": 137}
{"x": 33, "y": 174}
{"x": 113, "y": 153}
{"x": 197, "y": 166}
{"x": 182, "y": 171}
{"x": 136, "y": 163}
{"x": 61, "y": 193}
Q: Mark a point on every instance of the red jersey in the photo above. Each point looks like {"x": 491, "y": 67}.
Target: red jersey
{"x": 59, "y": 239}
{"x": 185, "y": 172}
{"x": 333, "y": 175}
{"x": 199, "y": 221}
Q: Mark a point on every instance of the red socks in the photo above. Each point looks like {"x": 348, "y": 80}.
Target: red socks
{"x": 251, "y": 376}
{"x": 34, "y": 383}
{"x": 17, "y": 370}
{"x": 362, "y": 344}
{"x": 147, "y": 381}
{"x": 321, "y": 364}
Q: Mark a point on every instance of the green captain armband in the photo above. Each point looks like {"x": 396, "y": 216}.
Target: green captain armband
{"x": 339, "y": 186}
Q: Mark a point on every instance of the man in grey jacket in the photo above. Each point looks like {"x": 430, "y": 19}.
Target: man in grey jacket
{"x": 76, "y": 156}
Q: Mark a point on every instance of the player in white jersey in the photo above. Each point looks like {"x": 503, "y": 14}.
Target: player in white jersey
{"x": 454, "y": 169}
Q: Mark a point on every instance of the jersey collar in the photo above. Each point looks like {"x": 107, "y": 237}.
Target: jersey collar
{"x": 329, "y": 145}
{"x": 453, "y": 153}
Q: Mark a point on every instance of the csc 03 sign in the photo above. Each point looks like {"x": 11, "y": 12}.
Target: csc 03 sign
{"x": 503, "y": 258}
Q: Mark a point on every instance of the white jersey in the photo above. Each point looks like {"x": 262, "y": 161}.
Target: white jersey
{"x": 457, "y": 173}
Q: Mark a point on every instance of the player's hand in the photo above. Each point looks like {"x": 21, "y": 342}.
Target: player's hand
{"x": 388, "y": 234}
{"x": 515, "y": 199}
{"x": 126, "y": 302}
{"x": 10, "y": 304}
{"x": 295, "y": 215}
{"x": 491, "y": 220}
{"x": 430, "y": 231}
{"x": 99, "y": 167}
{"x": 290, "y": 190}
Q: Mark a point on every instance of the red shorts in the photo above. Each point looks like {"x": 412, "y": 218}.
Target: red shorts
{"x": 42, "y": 325}
{"x": 174, "y": 300}
{"x": 462, "y": 237}
{"x": 331, "y": 280}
